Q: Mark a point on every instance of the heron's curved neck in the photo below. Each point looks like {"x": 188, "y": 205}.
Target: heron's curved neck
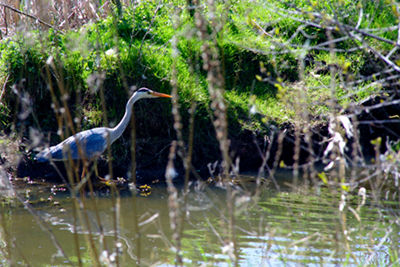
{"x": 117, "y": 131}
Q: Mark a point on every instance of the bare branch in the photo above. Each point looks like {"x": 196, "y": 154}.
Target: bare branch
{"x": 29, "y": 16}
{"x": 4, "y": 87}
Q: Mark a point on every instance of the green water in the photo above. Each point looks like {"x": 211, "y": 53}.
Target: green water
{"x": 286, "y": 227}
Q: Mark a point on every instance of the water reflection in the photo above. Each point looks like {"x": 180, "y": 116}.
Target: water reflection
{"x": 277, "y": 228}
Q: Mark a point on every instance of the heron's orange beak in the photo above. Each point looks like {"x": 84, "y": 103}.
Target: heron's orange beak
{"x": 160, "y": 94}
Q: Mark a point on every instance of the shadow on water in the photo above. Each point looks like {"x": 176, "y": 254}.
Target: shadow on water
{"x": 277, "y": 227}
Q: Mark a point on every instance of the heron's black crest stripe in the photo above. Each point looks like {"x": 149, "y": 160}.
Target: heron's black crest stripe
{"x": 143, "y": 90}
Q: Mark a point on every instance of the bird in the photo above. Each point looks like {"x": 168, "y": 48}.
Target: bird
{"x": 90, "y": 144}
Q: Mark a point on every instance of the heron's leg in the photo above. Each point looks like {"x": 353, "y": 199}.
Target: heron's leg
{"x": 83, "y": 177}
{"x": 96, "y": 171}
{"x": 107, "y": 182}
{"x": 83, "y": 172}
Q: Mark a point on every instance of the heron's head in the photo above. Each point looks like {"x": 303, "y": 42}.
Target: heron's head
{"x": 147, "y": 93}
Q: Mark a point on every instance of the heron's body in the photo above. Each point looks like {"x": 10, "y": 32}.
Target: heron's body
{"x": 92, "y": 143}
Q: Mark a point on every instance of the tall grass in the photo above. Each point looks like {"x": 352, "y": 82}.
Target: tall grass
{"x": 281, "y": 71}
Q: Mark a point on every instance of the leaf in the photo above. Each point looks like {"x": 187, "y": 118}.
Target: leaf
{"x": 345, "y": 187}
{"x": 282, "y": 164}
{"x": 376, "y": 141}
{"x": 323, "y": 177}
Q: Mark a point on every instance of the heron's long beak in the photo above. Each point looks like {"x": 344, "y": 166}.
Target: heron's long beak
{"x": 160, "y": 94}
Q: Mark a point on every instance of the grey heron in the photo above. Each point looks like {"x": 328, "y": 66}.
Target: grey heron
{"x": 90, "y": 144}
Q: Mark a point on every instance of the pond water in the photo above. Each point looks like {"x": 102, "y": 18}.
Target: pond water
{"x": 286, "y": 227}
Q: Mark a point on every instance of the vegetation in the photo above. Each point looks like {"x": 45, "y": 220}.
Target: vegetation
{"x": 306, "y": 86}
{"x": 269, "y": 54}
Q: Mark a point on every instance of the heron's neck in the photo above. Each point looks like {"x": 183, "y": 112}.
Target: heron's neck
{"x": 117, "y": 131}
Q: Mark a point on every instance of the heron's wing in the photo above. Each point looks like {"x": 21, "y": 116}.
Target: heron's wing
{"x": 94, "y": 143}
{"x": 87, "y": 144}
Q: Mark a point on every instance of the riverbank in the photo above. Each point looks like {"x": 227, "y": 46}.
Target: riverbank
{"x": 285, "y": 87}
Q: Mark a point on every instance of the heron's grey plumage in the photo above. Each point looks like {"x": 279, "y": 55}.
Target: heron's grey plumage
{"x": 92, "y": 143}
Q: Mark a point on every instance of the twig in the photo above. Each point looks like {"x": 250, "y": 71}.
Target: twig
{"x": 349, "y": 30}
{"x": 29, "y": 16}
{"x": 4, "y": 87}
{"x": 5, "y": 20}
{"x": 340, "y": 25}
{"x": 376, "y": 52}
{"x": 360, "y": 18}
{"x": 260, "y": 28}
{"x": 327, "y": 43}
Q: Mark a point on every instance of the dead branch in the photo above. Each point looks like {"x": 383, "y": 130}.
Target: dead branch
{"x": 29, "y": 16}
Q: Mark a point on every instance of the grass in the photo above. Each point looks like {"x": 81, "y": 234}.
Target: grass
{"x": 138, "y": 45}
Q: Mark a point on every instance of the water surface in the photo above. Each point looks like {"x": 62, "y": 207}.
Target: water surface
{"x": 286, "y": 227}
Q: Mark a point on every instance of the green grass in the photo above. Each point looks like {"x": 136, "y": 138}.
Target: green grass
{"x": 261, "y": 72}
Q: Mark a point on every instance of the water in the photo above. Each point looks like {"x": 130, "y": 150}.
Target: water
{"x": 287, "y": 227}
